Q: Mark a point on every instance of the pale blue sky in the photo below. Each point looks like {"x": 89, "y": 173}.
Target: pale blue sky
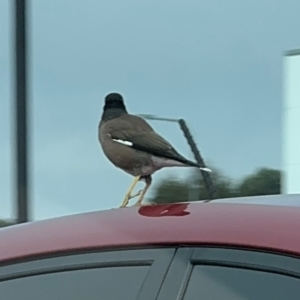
{"x": 218, "y": 64}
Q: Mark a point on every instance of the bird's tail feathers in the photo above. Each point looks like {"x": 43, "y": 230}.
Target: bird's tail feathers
{"x": 196, "y": 165}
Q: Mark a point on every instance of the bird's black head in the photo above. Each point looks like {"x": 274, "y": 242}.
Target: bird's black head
{"x": 114, "y": 107}
{"x": 114, "y": 100}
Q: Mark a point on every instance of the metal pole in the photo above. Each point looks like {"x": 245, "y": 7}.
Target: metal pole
{"x": 206, "y": 177}
{"x": 21, "y": 110}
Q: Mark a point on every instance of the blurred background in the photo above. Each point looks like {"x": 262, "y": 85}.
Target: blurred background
{"x": 225, "y": 67}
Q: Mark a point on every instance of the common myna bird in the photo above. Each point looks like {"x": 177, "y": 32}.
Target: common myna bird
{"x": 132, "y": 145}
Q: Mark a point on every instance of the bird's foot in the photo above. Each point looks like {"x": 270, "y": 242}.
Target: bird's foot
{"x": 135, "y": 195}
{"x": 128, "y": 197}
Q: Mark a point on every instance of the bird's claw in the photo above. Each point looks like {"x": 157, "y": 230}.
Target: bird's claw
{"x": 135, "y": 195}
{"x": 129, "y": 197}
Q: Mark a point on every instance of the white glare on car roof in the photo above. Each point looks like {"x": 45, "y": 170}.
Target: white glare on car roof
{"x": 282, "y": 200}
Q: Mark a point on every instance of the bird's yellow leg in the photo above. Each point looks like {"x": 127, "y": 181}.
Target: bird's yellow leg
{"x": 139, "y": 202}
{"x": 135, "y": 195}
{"x": 128, "y": 195}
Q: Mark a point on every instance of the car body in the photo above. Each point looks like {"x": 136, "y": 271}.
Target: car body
{"x": 215, "y": 250}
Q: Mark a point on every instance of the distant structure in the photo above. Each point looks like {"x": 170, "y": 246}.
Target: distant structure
{"x": 291, "y": 123}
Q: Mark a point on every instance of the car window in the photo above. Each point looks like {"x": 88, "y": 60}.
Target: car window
{"x": 226, "y": 283}
{"x": 88, "y": 284}
{"x": 213, "y": 273}
{"x": 118, "y": 274}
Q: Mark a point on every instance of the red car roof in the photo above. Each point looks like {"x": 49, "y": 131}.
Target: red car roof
{"x": 266, "y": 227}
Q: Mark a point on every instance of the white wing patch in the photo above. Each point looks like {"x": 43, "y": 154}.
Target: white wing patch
{"x": 126, "y": 143}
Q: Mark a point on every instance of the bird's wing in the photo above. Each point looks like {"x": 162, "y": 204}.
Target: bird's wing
{"x": 138, "y": 134}
{"x": 149, "y": 142}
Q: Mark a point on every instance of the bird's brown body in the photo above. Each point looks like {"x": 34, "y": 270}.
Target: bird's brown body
{"x": 136, "y": 162}
{"x": 132, "y": 145}
{"x": 116, "y": 152}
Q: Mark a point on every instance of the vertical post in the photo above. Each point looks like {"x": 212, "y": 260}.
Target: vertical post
{"x": 291, "y": 123}
{"x": 21, "y": 110}
{"x": 206, "y": 178}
